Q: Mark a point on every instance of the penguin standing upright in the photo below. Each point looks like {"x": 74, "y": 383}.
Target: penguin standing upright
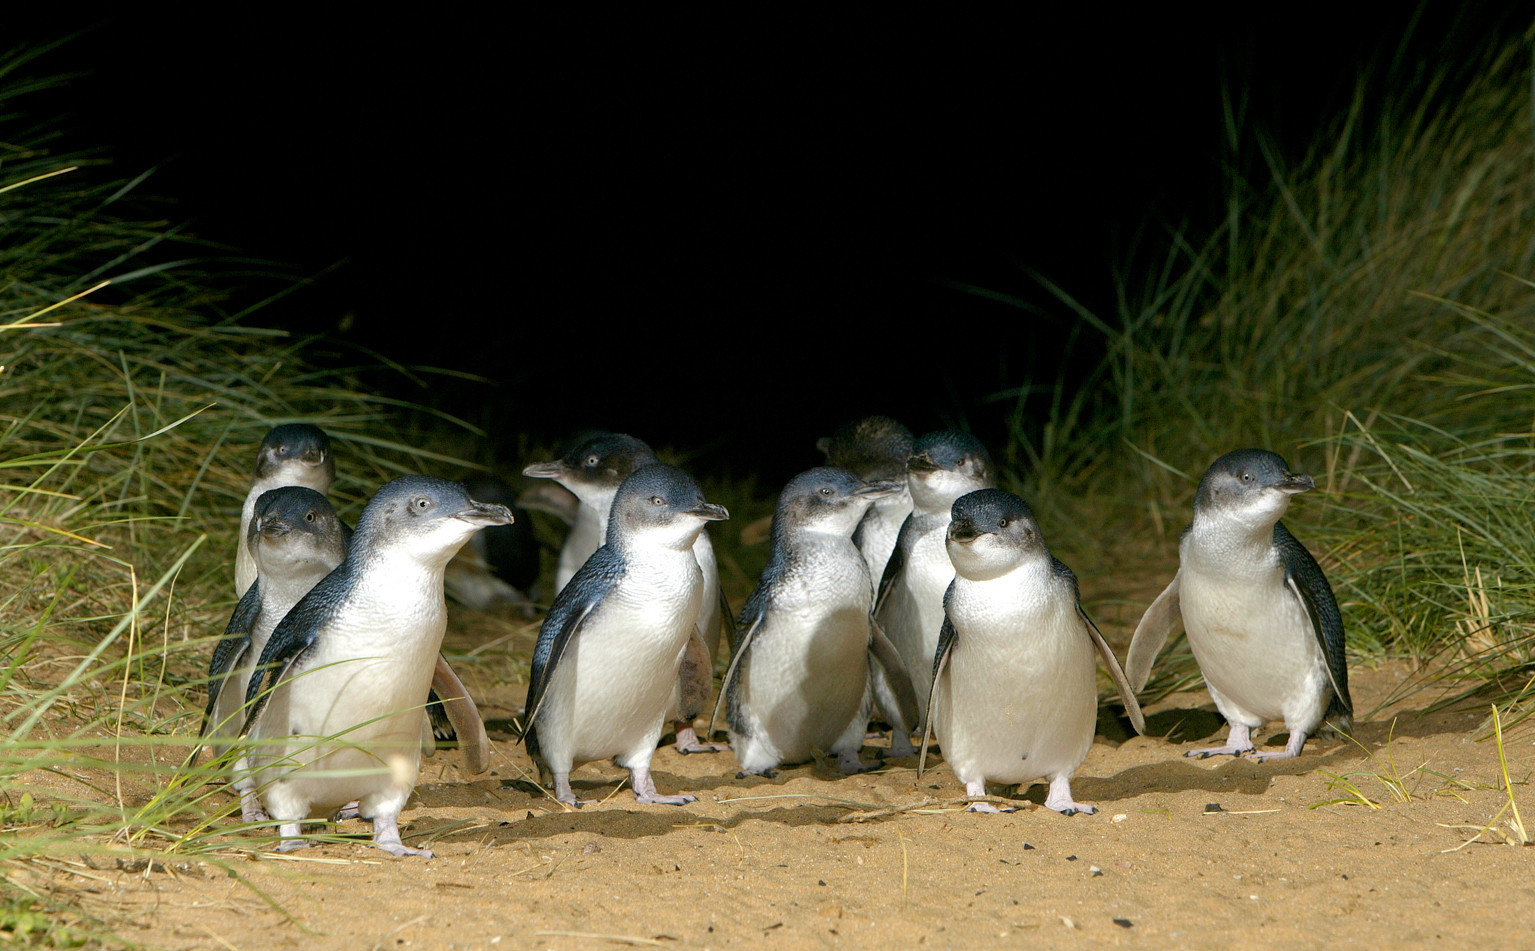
{"x": 611, "y": 652}
{"x": 943, "y": 466}
{"x": 1015, "y": 694}
{"x": 593, "y": 472}
{"x": 352, "y": 663}
{"x": 875, "y": 449}
{"x": 799, "y": 681}
{"x": 1260, "y": 616}
{"x": 291, "y": 454}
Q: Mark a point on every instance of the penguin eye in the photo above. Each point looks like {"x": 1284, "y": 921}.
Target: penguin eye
{"x": 592, "y": 460}
{"x": 1002, "y": 523}
{"x": 1247, "y": 477}
{"x": 309, "y": 517}
{"x": 826, "y": 490}
{"x": 421, "y": 503}
{"x": 657, "y": 500}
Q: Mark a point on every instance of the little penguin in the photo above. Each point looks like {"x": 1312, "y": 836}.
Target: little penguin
{"x": 295, "y": 539}
{"x": 498, "y": 566}
{"x": 351, "y": 665}
{"x": 943, "y": 466}
{"x": 1015, "y": 696}
{"x": 1260, "y": 616}
{"x": 593, "y": 471}
{"x": 799, "y": 681}
{"x": 875, "y": 449}
{"x": 611, "y": 652}
{"x": 291, "y": 454}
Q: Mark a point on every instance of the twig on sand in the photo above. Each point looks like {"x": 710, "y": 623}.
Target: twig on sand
{"x": 620, "y": 938}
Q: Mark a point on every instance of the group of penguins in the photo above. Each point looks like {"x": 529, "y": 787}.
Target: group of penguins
{"x": 902, "y": 586}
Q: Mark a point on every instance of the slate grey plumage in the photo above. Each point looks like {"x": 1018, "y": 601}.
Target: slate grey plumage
{"x": 1260, "y": 616}
{"x": 290, "y": 454}
{"x": 799, "y": 681}
{"x": 608, "y": 661}
{"x": 350, "y": 666}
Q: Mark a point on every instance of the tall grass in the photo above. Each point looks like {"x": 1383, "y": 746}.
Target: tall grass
{"x": 1367, "y": 312}
{"x": 131, "y": 399}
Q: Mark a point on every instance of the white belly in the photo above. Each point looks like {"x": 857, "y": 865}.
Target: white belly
{"x": 1253, "y": 640}
{"x": 617, "y": 680}
{"x": 912, "y": 614}
{"x": 1019, "y": 699}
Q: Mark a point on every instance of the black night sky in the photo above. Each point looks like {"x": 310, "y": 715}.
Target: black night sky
{"x": 715, "y": 231}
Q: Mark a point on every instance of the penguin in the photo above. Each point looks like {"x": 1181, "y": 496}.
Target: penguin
{"x": 875, "y": 449}
{"x": 498, "y": 566}
{"x": 799, "y": 681}
{"x": 295, "y": 539}
{"x": 291, "y": 454}
{"x": 351, "y": 665}
{"x": 1015, "y": 695}
{"x": 593, "y": 471}
{"x": 1260, "y": 616}
{"x": 943, "y": 466}
{"x": 610, "y": 654}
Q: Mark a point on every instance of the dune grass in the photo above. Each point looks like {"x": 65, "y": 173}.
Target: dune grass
{"x": 1368, "y": 312}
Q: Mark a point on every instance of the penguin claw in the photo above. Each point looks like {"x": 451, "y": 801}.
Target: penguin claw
{"x": 667, "y": 800}
{"x": 400, "y": 851}
{"x": 764, "y": 773}
{"x": 292, "y": 845}
{"x": 1216, "y": 751}
{"x": 698, "y": 747}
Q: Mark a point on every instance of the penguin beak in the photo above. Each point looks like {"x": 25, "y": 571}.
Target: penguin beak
{"x": 1293, "y": 484}
{"x": 921, "y": 462}
{"x": 545, "y": 470}
{"x": 487, "y": 514}
{"x": 878, "y": 490}
{"x": 964, "y": 532}
{"x": 708, "y": 512}
{"x": 271, "y": 527}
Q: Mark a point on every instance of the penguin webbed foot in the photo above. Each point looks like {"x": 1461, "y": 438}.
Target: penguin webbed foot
{"x": 989, "y": 809}
{"x": 900, "y": 747}
{"x": 1238, "y": 742}
{"x": 848, "y": 764}
{"x": 292, "y": 845}
{"x": 349, "y": 811}
{"x": 1059, "y": 799}
{"x": 1293, "y": 746}
{"x": 765, "y": 773}
{"x": 645, "y": 790}
{"x": 688, "y": 742}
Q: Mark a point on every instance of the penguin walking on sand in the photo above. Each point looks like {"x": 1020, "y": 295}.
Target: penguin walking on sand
{"x": 943, "y": 466}
{"x": 799, "y": 681}
{"x": 295, "y": 539}
{"x": 351, "y": 665}
{"x": 1260, "y": 616}
{"x": 622, "y": 637}
{"x": 593, "y": 472}
{"x": 875, "y": 449}
{"x": 291, "y": 454}
{"x": 1015, "y": 695}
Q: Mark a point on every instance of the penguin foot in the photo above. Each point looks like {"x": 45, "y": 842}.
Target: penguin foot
{"x": 848, "y": 764}
{"x": 399, "y": 850}
{"x": 900, "y": 746}
{"x": 348, "y": 811}
{"x": 988, "y": 808}
{"x": 1217, "y": 751}
{"x": 764, "y": 773}
{"x": 1059, "y": 799}
{"x": 1292, "y": 749}
{"x": 688, "y": 742}
{"x": 386, "y": 838}
{"x": 1257, "y": 757}
{"x": 292, "y": 845}
{"x": 645, "y": 789}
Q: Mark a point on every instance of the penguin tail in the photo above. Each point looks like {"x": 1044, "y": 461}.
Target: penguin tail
{"x": 1339, "y": 719}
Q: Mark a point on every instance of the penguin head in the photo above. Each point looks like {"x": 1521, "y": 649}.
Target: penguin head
{"x": 990, "y": 533}
{"x": 296, "y": 454}
{"x": 945, "y": 465}
{"x": 827, "y": 500}
{"x": 596, "y": 466}
{"x": 295, "y": 527}
{"x": 426, "y": 519}
{"x": 660, "y": 505}
{"x": 874, "y": 448}
{"x": 1250, "y": 486}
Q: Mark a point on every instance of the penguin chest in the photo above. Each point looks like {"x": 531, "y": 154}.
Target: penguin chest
{"x": 586, "y": 536}
{"x": 609, "y": 693}
{"x": 1018, "y": 699}
{"x": 808, "y": 670}
{"x": 878, "y": 531}
{"x": 912, "y": 613}
{"x": 1253, "y": 638}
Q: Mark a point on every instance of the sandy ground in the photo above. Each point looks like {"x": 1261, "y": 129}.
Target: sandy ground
{"x": 1182, "y": 853}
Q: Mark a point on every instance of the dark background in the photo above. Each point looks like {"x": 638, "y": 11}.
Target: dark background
{"x": 718, "y": 233}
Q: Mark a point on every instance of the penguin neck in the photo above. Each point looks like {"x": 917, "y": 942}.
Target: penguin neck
{"x": 1231, "y": 537}
{"x": 670, "y": 540}
{"x": 936, "y": 497}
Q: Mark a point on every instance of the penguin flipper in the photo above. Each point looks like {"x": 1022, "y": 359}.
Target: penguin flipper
{"x": 947, "y": 635}
{"x": 695, "y": 677}
{"x": 1151, "y": 634}
{"x": 1121, "y": 682}
{"x": 572, "y": 606}
{"x": 1305, "y": 578}
{"x": 462, "y": 712}
{"x": 727, "y": 614}
{"x": 258, "y": 705}
{"x": 231, "y": 649}
{"x": 897, "y": 563}
{"x": 892, "y": 683}
{"x": 751, "y": 621}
